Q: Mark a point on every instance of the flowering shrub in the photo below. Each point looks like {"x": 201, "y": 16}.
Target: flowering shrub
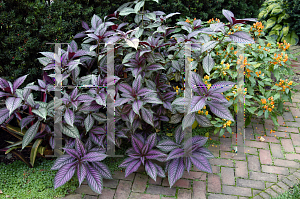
{"x": 152, "y": 57}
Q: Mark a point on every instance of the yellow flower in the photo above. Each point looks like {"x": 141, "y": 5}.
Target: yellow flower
{"x": 208, "y": 86}
{"x": 206, "y": 113}
{"x": 264, "y": 101}
{"x": 187, "y": 20}
{"x": 204, "y": 107}
{"x": 206, "y": 77}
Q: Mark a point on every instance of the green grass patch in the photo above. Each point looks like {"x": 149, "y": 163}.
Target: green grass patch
{"x": 19, "y": 181}
{"x": 293, "y": 193}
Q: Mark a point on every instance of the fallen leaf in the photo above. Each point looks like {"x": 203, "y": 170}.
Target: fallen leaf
{"x": 1, "y": 191}
{"x": 262, "y": 139}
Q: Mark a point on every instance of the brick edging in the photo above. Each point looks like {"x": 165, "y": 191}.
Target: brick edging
{"x": 280, "y": 187}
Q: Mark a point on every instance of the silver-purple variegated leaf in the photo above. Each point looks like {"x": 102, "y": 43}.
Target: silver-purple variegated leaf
{"x": 89, "y": 122}
{"x": 70, "y": 131}
{"x": 12, "y": 103}
{"x": 179, "y": 134}
{"x": 30, "y": 134}
{"x": 103, "y": 169}
{"x": 80, "y": 147}
{"x": 69, "y": 117}
{"x": 242, "y": 37}
{"x": 197, "y": 103}
{"x": 220, "y": 110}
{"x": 167, "y": 145}
{"x": 200, "y": 162}
{"x": 188, "y": 120}
{"x": 176, "y": 153}
{"x": 221, "y": 86}
{"x": 52, "y": 142}
{"x": 175, "y": 170}
{"x": 228, "y": 14}
{"x": 156, "y": 155}
{"x": 64, "y": 174}
{"x": 18, "y": 82}
{"x": 208, "y": 46}
{"x": 160, "y": 171}
{"x": 94, "y": 179}
{"x": 147, "y": 115}
{"x": 25, "y": 121}
{"x": 132, "y": 167}
{"x": 151, "y": 170}
{"x": 208, "y": 63}
{"x": 203, "y": 120}
{"x": 4, "y": 114}
{"x": 81, "y": 172}
{"x": 176, "y": 118}
{"x": 187, "y": 163}
{"x": 94, "y": 157}
{"x": 61, "y": 161}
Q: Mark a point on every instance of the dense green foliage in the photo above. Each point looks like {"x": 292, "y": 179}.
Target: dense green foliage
{"x": 294, "y": 12}
{"x": 19, "y": 181}
{"x": 26, "y": 26}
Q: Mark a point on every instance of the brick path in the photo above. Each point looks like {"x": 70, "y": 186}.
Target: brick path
{"x": 268, "y": 169}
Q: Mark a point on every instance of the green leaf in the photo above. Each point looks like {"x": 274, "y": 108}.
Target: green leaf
{"x": 127, "y": 11}
{"x": 277, "y": 10}
{"x": 276, "y": 96}
{"x": 252, "y": 109}
{"x": 30, "y": 134}
{"x": 274, "y": 118}
{"x": 151, "y": 16}
{"x": 222, "y": 131}
{"x": 270, "y": 22}
{"x": 229, "y": 129}
{"x": 248, "y": 120}
{"x": 34, "y": 150}
{"x": 277, "y": 27}
{"x": 216, "y": 130}
{"x": 138, "y": 6}
{"x": 266, "y": 114}
{"x": 260, "y": 113}
{"x": 70, "y": 131}
{"x": 281, "y": 17}
{"x": 42, "y": 112}
{"x": 261, "y": 14}
{"x": 291, "y": 38}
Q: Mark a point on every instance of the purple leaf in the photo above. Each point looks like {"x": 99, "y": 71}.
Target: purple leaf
{"x": 85, "y": 25}
{"x": 176, "y": 153}
{"x": 18, "y": 82}
{"x": 160, "y": 171}
{"x": 126, "y": 162}
{"x": 175, "y": 170}
{"x": 179, "y": 135}
{"x": 154, "y": 154}
{"x": 242, "y": 37}
{"x": 205, "y": 152}
{"x": 208, "y": 63}
{"x": 147, "y": 116}
{"x": 80, "y": 147}
{"x": 64, "y": 175}
{"x": 144, "y": 91}
{"x": 41, "y": 83}
{"x": 137, "y": 84}
{"x": 94, "y": 179}
{"x": 132, "y": 167}
{"x": 81, "y": 172}
{"x": 136, "y": 106}
{"x": 188, "y": 164}
{"x": 188, "y": 120}
{"x": 69, "y": 116}
{"x": 151, "y": 140}
{"x": 203, "y": 120}
{"x": 94, "y": 157}
{"x": 103, "y": 169}
{"x": 151, "y": 169}
{"x": 12, "y": 103}
{"x": 85, "y": 98}
{"x": 181, "y": 101}
{"x": 137, "y": 144}
{"x": 228, "y": 14}
{"x": 52, "y": 142}
{"x": 220, "y": 110}
{"x": 167, "y": 145}
{"x": 201, "y": 163}
{"x": 73, "y": 153}
{"x": 197, "y": 103}
{"x": 3, "y": 83}
{"x": 155, "y": 67}
{"x": 61, "y": 161}
{"x": 25, "y": 121}
{"x": 197, "y": 85}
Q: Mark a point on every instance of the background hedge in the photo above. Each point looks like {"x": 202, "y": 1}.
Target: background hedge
{"x": 26, "y": 26}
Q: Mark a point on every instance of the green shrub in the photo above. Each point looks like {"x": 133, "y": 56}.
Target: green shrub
{"x": 294, "y": 12}
{"x": 277, "y": 20}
